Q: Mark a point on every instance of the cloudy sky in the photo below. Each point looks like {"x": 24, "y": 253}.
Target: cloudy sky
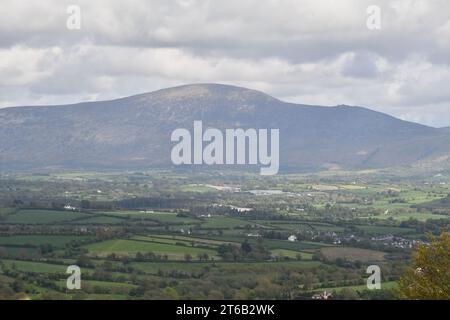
{"x": 305, "y": 51}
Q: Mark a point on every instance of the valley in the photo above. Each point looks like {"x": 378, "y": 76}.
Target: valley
{"x": 165, "y": 234}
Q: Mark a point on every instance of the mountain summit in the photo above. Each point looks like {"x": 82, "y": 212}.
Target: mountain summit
{"x": 134, "y": 132}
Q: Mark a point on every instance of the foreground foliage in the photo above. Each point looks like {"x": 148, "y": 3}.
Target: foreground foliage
{"x": 430, "y": 276}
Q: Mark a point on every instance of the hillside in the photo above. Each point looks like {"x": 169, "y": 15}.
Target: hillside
{"x": 134, "y": 132}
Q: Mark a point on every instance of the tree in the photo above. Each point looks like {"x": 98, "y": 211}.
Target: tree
{"x": 429, "y": 277}
{"x": 85, "y": 204}
{"x": 246, "y": 247}
{"x": 139, "y": 256}
{"x": 84, "y": 261}
{"x": 171, "y": 293}
{"x": 18, "y": 285}
{"x": 203, "y": 256}
{"x": 215, "y": 295}
{"x": 347, "y": 294}
{"x": 187, "y": 257}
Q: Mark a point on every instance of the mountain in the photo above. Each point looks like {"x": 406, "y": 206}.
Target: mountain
{"x": 134, "y": 132}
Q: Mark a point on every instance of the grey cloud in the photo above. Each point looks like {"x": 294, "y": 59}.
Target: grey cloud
{"x": 309, "y": 51}
{"x": 361, "y": 65}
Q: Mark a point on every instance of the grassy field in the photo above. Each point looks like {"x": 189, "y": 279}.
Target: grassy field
{"x": 380, "y": 230}
{"x": 281, "y": 253}
{"x": 420, "y": 216}
{"x": 100, "y": 284}
{"x": 157, "y": 216}
{"x": 384, "y": 285}
{"x": 42, "y": 216}
{"x": 295, "y": 226}
{"x": 18, "y": 251}
{"x": 180, "y": 217}
{"x": 196, "y": 188}
{"x": 101, "y": 220}
{"x": 265, "y": 266}
{"x": 194, "y": 241}
{"x": 188, "y": 241}
{"x": 352, "y": 254}
{"x": 38, "y": 267}
{"x": 154, "y": 267}
{"x": 36, "y": 240}
{"x": 123, "y": 247}
{"x": 296, "y": 246}
{"x": 171, "y": 218}
{"x": 216, "y": 222}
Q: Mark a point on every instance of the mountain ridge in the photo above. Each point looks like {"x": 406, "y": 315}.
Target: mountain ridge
{"x": 135, "y": 131}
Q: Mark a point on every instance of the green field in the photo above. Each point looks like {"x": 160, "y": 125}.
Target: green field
{"x": 32, "y": 266}
{"x": 196, "y": 188}
{"x": 352, "y": 254}
{"x": 173, "y": 234}
{"x": 384, "y": 285}
{"x": 125, "y": 247}
{"x": 413, "y": 215}
{"x": 36, "y": 240}
{"x": 17, "y": 251}
{"x": 100, "y": 220}
{"x": 281, "y": 253}
{"x": 42, "y": 216}
{"x": 190, "y": 239}
{"x": 296, "y": 246}
{"x": 216, "y": 222}
{"x": 100, "y": 284}
{"x": 379, "y": 230}
{"x": 170, "y": 218}
{"x": 235, "y": 267}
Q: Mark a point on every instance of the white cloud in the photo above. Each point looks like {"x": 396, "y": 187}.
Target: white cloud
{"x": 309, "y": 51}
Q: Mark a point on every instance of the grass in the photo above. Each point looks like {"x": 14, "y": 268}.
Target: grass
{"x": 41, "y": 267}
{"x": 125, "y": 247}
{"x": 42, "y": 216}
{"x": 177, "y": 240}
{"x": 38, "y": 267}
{"x": 219, "y": 222}
{"x": 14, "y": 252}
{"x": 158, "y": 240}
{"x": 352, "y": 254}
{"x": 384, "y": 285}
{"x": 280, "y": 253}
{"x": 235, "y": 267}
{"x": 6, "y": 211}
{"x": 196, "y": 188}
{"x": 170, "y": 218}
{"x": 36, "y": 240}
{"x": 412, "y": 215}
{"x": 295, "y": 225}
{"x": 295, "y": 246}
{"x": 256, "y": 267}
{"x": 101, "y": 220}
{"x": 186, "y": 239}
{"x": 272, "y": 243}
{"x": 154, "y": 267}
{"x": 380, "y": 230}
{"x": 100, "y": 284}
{"x": 106, "y": 297}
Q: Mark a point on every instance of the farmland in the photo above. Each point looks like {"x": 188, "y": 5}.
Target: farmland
{"x": 121, "y": 247}
{"x": 42, "y": 216}
{"x": 352, "y": 254}
{"x": 174, "y": 235}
